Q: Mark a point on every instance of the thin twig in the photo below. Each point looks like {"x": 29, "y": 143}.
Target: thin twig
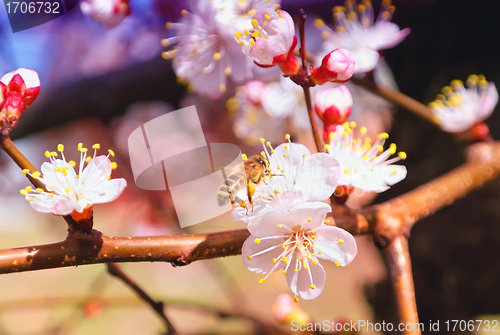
{"x": 397, "y": 98}
{"x": 8, "y": 146}
{"x": 157, "y": 306}
{"x": 307, "y": 93}
{"x": 402, "y": 279}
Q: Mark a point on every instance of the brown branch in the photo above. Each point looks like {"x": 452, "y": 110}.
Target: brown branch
{"x": 467, "y": 137}
{"x": 157, "y": 306}
{"x": 91, "y": 248}
{"x": 307, "y": 92}
{"x": 389, "y": 219}
{"x": 400, "y": 267}
{"x": 8, "y": 146}
{"x": 396, "y": 97}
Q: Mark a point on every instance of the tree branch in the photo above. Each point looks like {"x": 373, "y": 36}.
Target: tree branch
{"x": 157, "y": 306}
{"x": 92, "y": 248}
{"x": 389, "y": 219}
{"x": 399, "y": 261}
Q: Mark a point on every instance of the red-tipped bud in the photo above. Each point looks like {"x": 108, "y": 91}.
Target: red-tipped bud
{"x": 333, "y": 105}
{"x": 337, "y": 66}
{"x": 20, "y": 89}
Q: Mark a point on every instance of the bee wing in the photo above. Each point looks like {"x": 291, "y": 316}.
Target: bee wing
{"x": 239, "y": 168}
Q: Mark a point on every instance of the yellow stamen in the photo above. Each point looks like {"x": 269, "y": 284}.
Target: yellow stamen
{"x": 96, "y": 146}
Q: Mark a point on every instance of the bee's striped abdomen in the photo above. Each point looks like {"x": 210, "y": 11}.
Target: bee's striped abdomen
{"x": 234, "y": 183}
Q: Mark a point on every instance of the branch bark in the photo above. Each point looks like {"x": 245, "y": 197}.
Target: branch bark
{"x": 399, "y": 261}
{"x": 92, "y": 248}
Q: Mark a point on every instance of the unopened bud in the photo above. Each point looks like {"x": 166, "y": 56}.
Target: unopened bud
{"x": 18, "y": 89}
{"x": 337, "y": 66}
{"x": 333, "y": 105}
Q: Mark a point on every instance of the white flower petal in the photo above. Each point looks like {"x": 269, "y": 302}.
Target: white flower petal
{"x": 327, "y": 242}
{"x": 386, "y": 35}
{"x": 300, "y": 282}
{"x": 319, "y": 177}
{"x": 262, "y": 263}
{"x": 106, "y": 192}
{"x": 66, "y": 206}
{"x": 366, "y": 59}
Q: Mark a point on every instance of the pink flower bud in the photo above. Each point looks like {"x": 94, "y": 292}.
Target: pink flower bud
{"x": 272, "y": 40}
{"x": 20, "y": 89}
{"x": 337, "y": 66}
{"x": 254, "y": 90}
{"x": 333, "y": 105}
{"x": 109, "y": 12}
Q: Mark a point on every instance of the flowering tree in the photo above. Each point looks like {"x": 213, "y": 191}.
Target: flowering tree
{"x": 305, "y": 207}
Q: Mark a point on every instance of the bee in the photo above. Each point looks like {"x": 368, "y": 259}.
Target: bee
{"x": 256, "y": 169}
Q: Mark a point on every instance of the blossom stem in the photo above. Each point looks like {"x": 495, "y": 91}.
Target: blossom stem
{"x": 157, "y": 306}
{"x": 399, "y": 261}
{"x": 307, "y": 93}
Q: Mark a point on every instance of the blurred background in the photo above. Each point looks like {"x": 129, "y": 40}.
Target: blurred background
{"x": 99, "y": 84}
